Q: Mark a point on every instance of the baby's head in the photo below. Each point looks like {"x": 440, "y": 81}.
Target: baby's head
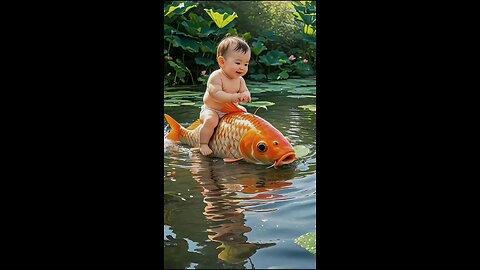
{"x": 233, "y": 55}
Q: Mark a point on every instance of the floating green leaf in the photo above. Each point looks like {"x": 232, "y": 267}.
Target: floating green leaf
{"x": 258, "y": 103}
{"x": 308, "y": 241}
{"x": 310, "y": 107}
{"x": 257, "y": 76}
{"x": 301, "y": 96}
{"x": 221, "y": 20}
{"x": 166, "y": 104}
{"x": 301, "y": 150}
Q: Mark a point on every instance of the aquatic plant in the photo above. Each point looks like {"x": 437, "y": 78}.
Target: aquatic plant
{"x": 192, "y": 29}
{"x": 308, "y": 241}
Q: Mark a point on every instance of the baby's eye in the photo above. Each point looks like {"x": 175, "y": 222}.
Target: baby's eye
{"x": 237, "y": 63}
{"x": 246, "y": 65}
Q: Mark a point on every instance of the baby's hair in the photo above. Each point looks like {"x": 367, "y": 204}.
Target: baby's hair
{"x": 238, "y": 42}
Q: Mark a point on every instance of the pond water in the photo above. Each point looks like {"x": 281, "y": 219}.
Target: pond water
{"x": 239, "y": 215}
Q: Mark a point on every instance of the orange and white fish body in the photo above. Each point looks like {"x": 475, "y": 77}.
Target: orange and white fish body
{"x": 238, "y": 136}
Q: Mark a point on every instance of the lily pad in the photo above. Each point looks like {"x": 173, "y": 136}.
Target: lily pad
{"x": 310, "y": 107}
{"x": 258, "y": 103}
{"x": 181, "y": 94}
{"x": 308, "y": 241}
{"x": 301, "y": 150}
{"x": 301, "y": 96}
{"x": 303, "y": 90}
{"x": 171, "y": 105}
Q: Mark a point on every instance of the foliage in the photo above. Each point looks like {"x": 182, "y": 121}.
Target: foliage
{"x": 285, "y": 45}
{"x": 308, "y": 241}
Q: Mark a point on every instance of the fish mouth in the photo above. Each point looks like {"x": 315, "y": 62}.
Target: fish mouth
{"x": 286, "y": 159}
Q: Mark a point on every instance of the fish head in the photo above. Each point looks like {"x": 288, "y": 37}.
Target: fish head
{"x": 267, "y": 146}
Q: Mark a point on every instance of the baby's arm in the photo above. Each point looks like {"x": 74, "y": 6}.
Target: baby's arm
{"x": 245, "y": 97}
{"x": 215, "y": 90}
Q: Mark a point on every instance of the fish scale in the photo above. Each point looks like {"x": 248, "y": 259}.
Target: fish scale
{"x": 227, "y": 135}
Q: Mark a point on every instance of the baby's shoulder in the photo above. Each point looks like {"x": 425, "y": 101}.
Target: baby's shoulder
{"x": 215, "y": 74}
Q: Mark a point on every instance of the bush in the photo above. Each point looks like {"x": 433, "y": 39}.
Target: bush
{"x": 194, "y": 28}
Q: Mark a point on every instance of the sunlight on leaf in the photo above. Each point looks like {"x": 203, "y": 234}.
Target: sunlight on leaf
{"x": 310, "y": 107}
{"x": 301, "y": 96}
{"x": 308, "y": 241}
{"x": 301, "y": 150}
{"x": 258, "y": 103}
{"x": 221, "y": 20}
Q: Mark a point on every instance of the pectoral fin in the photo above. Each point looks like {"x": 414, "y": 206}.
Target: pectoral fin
{"x": 228, "y": 160}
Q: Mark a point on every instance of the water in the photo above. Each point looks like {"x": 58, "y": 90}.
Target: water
{"x": 240, "y": 215}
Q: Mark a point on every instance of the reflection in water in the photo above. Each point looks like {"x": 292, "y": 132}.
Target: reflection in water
{"x": 218, "y": 225}
{"x": 227, "y": 191}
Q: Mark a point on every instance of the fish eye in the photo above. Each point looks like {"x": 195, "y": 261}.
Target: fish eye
{"x": 262, "y": 146}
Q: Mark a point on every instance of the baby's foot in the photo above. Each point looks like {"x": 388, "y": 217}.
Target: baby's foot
{"x": 205, "y": 150}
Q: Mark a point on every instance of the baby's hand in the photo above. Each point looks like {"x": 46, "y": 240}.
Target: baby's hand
{"x": 245, "y": 97}
{"x": 237, "y": 97}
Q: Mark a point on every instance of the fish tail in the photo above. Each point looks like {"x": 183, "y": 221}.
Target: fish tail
{"x": 173, "y": 135}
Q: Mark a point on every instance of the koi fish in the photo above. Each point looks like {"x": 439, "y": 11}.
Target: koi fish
{"x": 239, "y": 136}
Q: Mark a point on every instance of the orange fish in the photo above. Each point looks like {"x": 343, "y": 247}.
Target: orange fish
{"x": 239, "y": 136}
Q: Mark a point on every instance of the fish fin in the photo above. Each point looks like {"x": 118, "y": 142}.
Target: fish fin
{"x": 195, "y": 124}
{"x": 228, "y": 160}
{"x": 230, "y": 107}
{"x": 174, "y": 135}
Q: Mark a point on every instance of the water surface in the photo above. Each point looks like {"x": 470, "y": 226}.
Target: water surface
{"x": 241, "y": 215}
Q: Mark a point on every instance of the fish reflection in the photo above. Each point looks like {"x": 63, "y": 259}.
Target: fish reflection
{"x": 230, "y": 190}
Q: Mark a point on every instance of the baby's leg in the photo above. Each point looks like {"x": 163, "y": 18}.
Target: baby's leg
{"x": 210, "y": 121}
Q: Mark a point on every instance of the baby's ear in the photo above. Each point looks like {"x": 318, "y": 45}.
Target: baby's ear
{"x": 221, "y": 60}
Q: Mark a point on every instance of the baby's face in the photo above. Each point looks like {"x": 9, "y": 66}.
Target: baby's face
{"x": 236, "y": 63}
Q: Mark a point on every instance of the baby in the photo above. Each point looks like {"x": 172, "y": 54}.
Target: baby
{"x": 224, "y": 85}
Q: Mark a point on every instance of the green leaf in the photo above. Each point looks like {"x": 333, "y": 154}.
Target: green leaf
{"x": 257, "y": 76}
{"x": 188, "y": 44}
{"x": 309, "y": 30}
{"x": 221, "y": 20}
{"x": 302, "y": 96}
{"x": 175, "y": 66}
{"x": 310, "y": 107}
{"x": 203, "y": 61}
{"x": 272, "y": 58}
{"x": 198, "y": 26}
{"x": 258, "y": 103}
{"x": 180, "y": 9}
{"x": 208, "y": 47}
{"x": 258, "y": 47}
{"x": 301, "y": 150}
{"x": 308, "y": 241}
{"x": 283, "y": 75}
{"x": 247, "y": 36}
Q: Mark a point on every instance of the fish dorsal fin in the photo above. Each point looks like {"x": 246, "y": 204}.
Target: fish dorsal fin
{"x": 230, "y": 107}
{"x": 195, "y": 124}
